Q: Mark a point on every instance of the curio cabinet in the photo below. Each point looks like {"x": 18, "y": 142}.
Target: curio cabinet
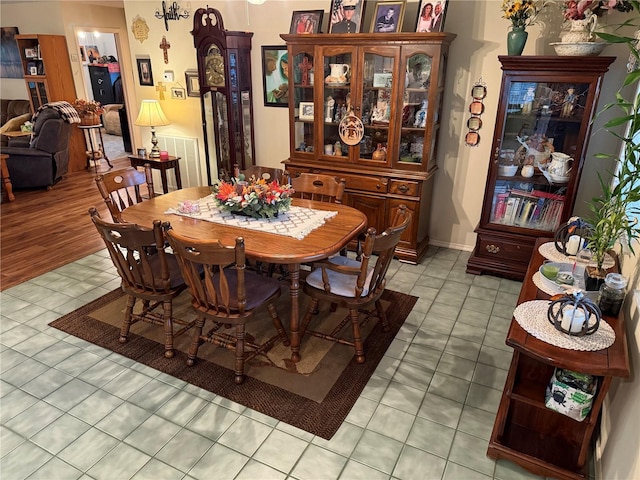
{"x": 545, "y": 109}
{"x": 366, "y": 108}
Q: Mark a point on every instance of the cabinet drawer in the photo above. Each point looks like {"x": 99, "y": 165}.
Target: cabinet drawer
{"x": 403, "y": 187}
{"x": 500, "y": 249}
{"x": 360, "y": 182}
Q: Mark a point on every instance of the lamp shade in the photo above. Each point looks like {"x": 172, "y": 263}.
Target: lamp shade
{"x": 151, "y": 114}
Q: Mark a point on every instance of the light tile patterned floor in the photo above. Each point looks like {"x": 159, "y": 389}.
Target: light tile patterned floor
{"x": 70, "y": 409}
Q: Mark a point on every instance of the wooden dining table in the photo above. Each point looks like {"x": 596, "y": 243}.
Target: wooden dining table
{"x": 326, "y": 240}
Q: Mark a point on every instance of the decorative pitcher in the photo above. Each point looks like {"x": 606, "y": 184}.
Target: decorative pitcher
{"x": 340, "y": 71}
{"x": 580, "y": 30}
{"x": 559, "y": 165}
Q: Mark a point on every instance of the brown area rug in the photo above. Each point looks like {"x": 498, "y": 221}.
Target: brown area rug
{"x": 315, "y": 395}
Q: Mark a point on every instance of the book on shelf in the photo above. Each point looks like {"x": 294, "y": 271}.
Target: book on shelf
{"x": 535, "y": 209}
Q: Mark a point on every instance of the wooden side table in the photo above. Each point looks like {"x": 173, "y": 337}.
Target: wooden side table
{"x": 94, "y": 153}
{"x": 6, "y": 181}
{"x": 525, "y": 431}
{"x": 162, "y": 165}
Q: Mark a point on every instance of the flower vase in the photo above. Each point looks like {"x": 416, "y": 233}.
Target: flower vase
{"x": 516, "y": 40}
{"x": 89, "y": 119}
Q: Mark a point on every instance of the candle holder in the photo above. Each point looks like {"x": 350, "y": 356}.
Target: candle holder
{"x": 571, "y": 237}
{"x": 571, "y": 314}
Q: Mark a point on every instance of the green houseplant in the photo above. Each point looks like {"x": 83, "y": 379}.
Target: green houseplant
{"x": 614, "y": 217}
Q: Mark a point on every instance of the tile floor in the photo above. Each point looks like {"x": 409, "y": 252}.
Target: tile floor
{"x": 73, "y": 410}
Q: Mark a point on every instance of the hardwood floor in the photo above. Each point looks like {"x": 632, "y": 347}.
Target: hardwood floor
{"x": 44, "y": 229}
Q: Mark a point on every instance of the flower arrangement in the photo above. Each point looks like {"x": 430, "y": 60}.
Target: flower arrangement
{"x": 522, "y": 13}
{"x": 255, "y": 198}
{"x": 87, "y": 107}
{"x": 581, "y": 9}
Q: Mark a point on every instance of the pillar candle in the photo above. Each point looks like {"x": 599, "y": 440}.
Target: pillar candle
{"x": 164, "y": 155}
{"x": 573, "y": 245}
{"x": 572, "y": 319}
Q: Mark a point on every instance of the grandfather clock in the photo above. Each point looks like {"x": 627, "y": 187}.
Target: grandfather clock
{"x": 224, "y": 76}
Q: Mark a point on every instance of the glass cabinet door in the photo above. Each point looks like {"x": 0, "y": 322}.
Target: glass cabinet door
{"x": 302, "y": 122}
{"x": 533, "y": 160}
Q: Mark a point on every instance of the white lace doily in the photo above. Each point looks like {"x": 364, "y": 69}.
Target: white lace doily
{"x": 532, "y": 316}
{"x": 550, "y": 252}
{"x": 539, "y": 282}
{"x": 297, "y": 222}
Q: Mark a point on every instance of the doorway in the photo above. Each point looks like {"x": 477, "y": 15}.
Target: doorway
{"x": 102, "y": 81}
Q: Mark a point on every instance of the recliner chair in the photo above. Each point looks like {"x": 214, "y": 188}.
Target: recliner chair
{"x": 42, "y": 159}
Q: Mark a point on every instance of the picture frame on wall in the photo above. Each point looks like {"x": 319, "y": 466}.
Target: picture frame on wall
{"x": 193, "y": 85}
{"x": 346, "y": 16}
{"x": 275, "y": 70}
{"x": 145, "y": 75}
{"x": 387, "y": 17}
{"x": 306, "y": 21}
{"x": 178, "y": 93}
{"x": 431, "y": 15}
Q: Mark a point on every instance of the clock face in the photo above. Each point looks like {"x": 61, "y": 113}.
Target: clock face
{"x": 214, "y": 67}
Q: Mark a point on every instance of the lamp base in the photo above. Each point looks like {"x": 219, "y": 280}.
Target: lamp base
{"x": 154, "y": 153}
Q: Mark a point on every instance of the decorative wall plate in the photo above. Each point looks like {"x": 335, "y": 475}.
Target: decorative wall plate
{"x": 351, "y": 129}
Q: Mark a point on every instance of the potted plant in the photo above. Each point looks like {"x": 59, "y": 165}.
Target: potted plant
{"x": 614, "y": 214}
{"x": 89, "y": 111}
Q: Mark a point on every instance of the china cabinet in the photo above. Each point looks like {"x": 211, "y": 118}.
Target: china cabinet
{"x": 542, "y": 130}
{"x": 226, "y": 98}
{"x": 366, "y": 108}
{"x": 525, "y": 431}
{"x": 48, "y": 78}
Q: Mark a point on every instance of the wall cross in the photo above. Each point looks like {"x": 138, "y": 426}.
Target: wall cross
{"x": 164, "y": 45}
{"x": 160, "y": 88}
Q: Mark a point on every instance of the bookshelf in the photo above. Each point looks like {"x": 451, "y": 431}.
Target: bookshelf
{"x": 546, "y": 106}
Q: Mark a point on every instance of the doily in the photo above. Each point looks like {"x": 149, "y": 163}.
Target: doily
{"x": 550, "y": 252}
{"x": 532, "y": 316}
{"x": 546, "y": 288}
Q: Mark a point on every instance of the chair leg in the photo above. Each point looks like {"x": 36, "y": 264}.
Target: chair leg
{"x": 195, "y": 341}
{"x": 126, "y": 324}
{"x": 382, "y": 316}
{"x": 313, "y": 308}
{"x": 277, "y": 323}
{"x": 239, "y": 354}
{"x": 168, "y": 329}
{"x": 357, "y": 339}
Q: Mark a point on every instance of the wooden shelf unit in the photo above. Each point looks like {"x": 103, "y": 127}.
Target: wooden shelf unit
{"x": 53, "y": 82}
{"x": 525, "y": 431}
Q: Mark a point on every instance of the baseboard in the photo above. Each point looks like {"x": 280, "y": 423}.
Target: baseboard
{"x": 454, "y": 246}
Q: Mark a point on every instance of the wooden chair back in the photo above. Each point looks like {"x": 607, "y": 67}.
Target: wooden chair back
{"x": 219, "y": 283}
{"x": 122, "y": 188}
{"x": 323, "y": 188}
{"x": 268, "y": 173}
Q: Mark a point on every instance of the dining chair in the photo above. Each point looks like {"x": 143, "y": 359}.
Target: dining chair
{"x": 320, "y": 187}
{"x": 148, "y": 274}
{"x": 355, "y": 284}
{"x": 227, "y": 294}
{"x": 121, "y": 188}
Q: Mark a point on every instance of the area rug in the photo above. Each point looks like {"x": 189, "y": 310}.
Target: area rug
{"x": 314, "y": 395}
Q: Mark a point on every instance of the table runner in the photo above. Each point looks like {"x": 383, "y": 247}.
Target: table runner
{"x": 298, "y": 222}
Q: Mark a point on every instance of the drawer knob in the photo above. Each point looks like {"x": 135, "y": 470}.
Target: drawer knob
{"x": 493, "y": 249}
{"x": 403, "y": 188}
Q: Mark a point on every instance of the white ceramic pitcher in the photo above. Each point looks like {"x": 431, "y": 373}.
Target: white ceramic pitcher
{"x": 339, "y": 70}
{"x": 559, "y": 165}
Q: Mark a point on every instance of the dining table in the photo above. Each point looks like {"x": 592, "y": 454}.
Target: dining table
{"x": 326, "y": 240}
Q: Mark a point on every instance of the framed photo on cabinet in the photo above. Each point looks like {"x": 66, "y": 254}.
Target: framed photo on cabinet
{"x": 346, "y": 16}
{"x": 387, "y": 17}
{"x": 431, "y": 15}
{"x": 306, "y": 111}
{"x": 306, "y": 21}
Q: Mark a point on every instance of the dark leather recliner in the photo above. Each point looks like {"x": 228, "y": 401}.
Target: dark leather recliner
{"x": 40, "y": 160}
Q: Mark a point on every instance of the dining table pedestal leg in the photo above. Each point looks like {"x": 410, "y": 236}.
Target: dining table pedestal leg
{"x": 294, "y": 326}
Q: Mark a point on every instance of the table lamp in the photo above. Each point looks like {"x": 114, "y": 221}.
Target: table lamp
{"x": 151, "y": 115}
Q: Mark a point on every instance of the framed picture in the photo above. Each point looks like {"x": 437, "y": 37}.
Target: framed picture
{"x": 387, "y": 17}
{"x": 31, "y": 52}
{"x": 306, "y": 21}
{"x": 275, "y": 76}
{"x": 193, "y": 85}
{"x": 178, "y": 93}
{"x": 83, "y": 54}
{"x": 346, "y": 16}
{"x": 92, "y": 53}
{"x": 144, "y": 72}
{"x": 10, "y": 58}
{"x": 306, "y": 111}
{"x": 431, "y": 15}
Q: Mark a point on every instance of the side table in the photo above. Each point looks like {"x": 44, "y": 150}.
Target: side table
{"x": 525, "y": 431}
{"x": 6, "y": 181}
{"x": 94, "y": 153}
{"x": 162, "y": 165}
